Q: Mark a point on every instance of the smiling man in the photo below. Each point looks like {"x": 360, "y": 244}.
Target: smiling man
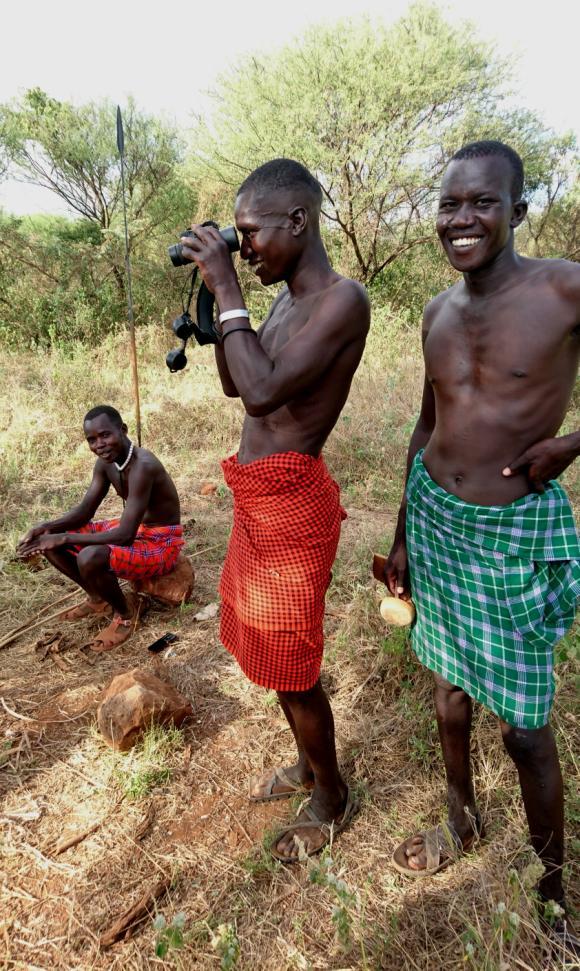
{"x": 144, "y": 542}
{"x": 293, "y": 376}
{"x": 492, "y": 548}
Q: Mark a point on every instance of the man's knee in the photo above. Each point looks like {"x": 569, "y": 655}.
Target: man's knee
{"x": 93, "y": 558}
{"x": 447, "y": 694}
{"x": 526, "y": 746}
{"x": 450, "y": 700}
{"x": 302, "y": 698}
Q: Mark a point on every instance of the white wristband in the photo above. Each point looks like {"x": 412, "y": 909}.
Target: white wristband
{"x": 232, "y": 315}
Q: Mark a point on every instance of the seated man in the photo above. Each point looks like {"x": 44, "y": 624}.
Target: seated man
{"x": 144, "y": 542}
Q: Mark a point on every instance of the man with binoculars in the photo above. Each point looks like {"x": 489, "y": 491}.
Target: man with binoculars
{"x": 293, "y": 375}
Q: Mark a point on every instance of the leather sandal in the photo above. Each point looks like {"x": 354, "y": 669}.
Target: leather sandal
{"x": 309, "y": 820}
{"x": 442, "y": 845}
{"x": 277, "y": 777}
{"x": 88, "y": 608}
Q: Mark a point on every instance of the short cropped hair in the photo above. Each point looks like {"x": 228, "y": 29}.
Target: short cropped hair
{"x": 282, "y": 173}
{"x": 107, "y": 410}
{"x": 488, "y": 147}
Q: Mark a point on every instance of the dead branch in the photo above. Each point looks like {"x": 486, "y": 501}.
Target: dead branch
{"x": 134, "y": 915}
{"x": 75, "y": 840}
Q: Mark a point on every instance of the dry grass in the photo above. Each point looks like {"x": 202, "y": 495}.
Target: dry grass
{"x": 229, "y": 905}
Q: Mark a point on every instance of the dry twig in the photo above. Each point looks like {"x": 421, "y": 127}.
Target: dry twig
{"x": 75, "y": 840}
{"x": 126, "y": 923}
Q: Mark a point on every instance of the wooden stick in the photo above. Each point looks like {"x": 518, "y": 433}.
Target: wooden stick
{"x": 206, "y": 550}
{"x": 25, "y": 628}
{"x": 135, "y": 914}
{"x": 75, "y": 840}
{"x": 44, "y": 721}
{"x": 54, "y": 603}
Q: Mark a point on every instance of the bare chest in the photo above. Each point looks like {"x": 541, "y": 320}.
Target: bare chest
{"x": 487, "y": 348}
{"x": 120, "y": 481}
{"x": 286, "y": 320}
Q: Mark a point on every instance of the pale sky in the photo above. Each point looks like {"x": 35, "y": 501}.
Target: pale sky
{"x": 168, "y": 56}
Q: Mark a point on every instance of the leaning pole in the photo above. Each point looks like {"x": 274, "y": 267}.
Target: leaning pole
{"x": 132, "y": 342}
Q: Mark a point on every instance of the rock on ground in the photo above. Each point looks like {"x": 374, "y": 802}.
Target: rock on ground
{"x": 133, "y": 701}
{"x": 174, "y": 587}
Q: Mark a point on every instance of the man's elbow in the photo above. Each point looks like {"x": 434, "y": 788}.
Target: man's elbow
{"x": 125, "y": 539}
{"x": 258, "y": 407}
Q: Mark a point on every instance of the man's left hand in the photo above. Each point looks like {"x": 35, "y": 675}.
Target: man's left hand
{"x": 47, "y": 541}
{"x": 545, "y": 460}
{"x": 210, "y": 252}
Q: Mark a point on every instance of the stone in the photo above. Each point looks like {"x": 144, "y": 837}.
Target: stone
{"x": 132, "y": 702}
{"x": 173, "y": 588}
{"x": 208, "y": 489}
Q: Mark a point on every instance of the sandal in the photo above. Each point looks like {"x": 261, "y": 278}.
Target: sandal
{"x": 119, "y": 630}
{"x": 277, "y": 777}
{"x": 309, "y": 820}
{"x": 442, "y": 845}
{"x": 88, "y": 608}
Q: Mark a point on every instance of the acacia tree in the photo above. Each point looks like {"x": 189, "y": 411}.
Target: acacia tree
{"x": 552, "y": 225}
{"x": 72, "y": 152}
{"x": 375, "y": 113}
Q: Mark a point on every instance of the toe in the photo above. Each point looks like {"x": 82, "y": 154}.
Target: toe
{"x": 285, "y": 846}
{"x": 415, "y": 853}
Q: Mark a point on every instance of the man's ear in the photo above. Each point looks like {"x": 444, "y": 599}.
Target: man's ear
{"x": 124, "y": 428}
{"x": 299, "y": 218}
{"x": 519, "y": 210}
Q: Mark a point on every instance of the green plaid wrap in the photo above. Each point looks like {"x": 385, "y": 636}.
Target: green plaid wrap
{"x": 495, "y": 588}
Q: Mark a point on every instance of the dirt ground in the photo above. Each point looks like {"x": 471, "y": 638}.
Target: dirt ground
{"x": 178, "y": 814}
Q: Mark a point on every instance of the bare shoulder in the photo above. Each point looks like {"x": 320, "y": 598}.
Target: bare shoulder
{"x": 149, "y": 462}
{"x": 347, "y": 302}
{"x": 564, "y": 276}
{"x": 436, "y": 305}
{"x": 101, "y": 471}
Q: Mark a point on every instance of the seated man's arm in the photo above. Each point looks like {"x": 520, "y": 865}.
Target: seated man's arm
{"x": 265, "y": 384}
{"x": 136, "y": 505}
{"x": 79, "y": 515}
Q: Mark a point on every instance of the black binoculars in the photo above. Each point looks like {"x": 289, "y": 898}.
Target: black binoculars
{"x": 176, "y": 251}
{"x": 184, "y": 327}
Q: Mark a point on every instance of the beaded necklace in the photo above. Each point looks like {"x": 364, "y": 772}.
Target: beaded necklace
{"x": 120, "y": 468}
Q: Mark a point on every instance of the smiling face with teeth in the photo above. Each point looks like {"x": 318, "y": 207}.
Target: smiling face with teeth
{"x": 477, "y": 214}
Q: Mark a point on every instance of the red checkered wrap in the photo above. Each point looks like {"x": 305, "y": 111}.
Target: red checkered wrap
{"x": 153, "y": 553}
{"x": 287, "y": 517}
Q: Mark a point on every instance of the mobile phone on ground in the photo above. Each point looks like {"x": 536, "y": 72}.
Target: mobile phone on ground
{"x": 162, "y": 642}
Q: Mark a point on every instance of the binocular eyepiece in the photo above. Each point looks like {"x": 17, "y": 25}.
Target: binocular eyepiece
{"x": 229, "y": 234}
{"x": 183, "y": 329}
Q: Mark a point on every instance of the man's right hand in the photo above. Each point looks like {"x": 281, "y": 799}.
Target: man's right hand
{"x": 394, "y": 570}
